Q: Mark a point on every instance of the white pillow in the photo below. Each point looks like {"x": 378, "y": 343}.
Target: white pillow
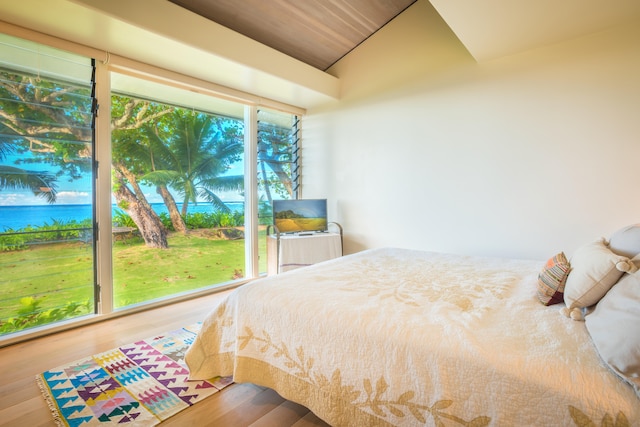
{"x": 626, "y": 241}
{"x": 614, "y": 327}
{"x": 595, "y": 269}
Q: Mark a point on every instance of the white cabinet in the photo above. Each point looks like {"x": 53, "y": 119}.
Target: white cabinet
{"x": 290, "y": 251}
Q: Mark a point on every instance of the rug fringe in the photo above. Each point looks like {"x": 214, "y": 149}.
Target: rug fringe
{"x": 45, "y": 392}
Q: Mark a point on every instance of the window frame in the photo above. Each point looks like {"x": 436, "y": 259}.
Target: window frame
{"x": 105, "y": 64}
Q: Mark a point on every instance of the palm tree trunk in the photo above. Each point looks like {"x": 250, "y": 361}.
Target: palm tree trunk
{"x": 134, "y": 203}
{"x": 176, "y": 219}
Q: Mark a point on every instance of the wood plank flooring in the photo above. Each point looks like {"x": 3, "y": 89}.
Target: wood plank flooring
{"x": 238, "y": 405}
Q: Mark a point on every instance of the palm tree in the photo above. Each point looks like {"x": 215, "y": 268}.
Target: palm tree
{"x": 191, "y": 153}
{"x": 132, "y": 158}
{"x": 176, "y": 150}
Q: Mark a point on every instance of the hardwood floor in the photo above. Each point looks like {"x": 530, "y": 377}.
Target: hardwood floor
{"x": 21, "y": 403}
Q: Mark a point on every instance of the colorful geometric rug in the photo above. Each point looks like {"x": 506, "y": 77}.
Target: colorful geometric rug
{"x": 138, "y": 384}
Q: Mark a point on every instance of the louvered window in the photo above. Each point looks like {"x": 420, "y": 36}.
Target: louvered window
{"x": 278, "y": 158}
{"x": 46, "y": 173}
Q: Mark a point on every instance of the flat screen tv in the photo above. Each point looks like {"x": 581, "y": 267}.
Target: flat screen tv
{"x": 300, "y": 215}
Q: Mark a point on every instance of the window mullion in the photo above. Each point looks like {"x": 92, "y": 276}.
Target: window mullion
{"x": 104, "y": 258}
{"x": 251, "y": 193}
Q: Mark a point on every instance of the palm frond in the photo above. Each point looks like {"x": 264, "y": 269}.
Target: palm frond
{"x": 41, "y": 184}
{"x": 214, "y": 200}
{"x": 223, "y": 183}
{"x": 160, "y": 177}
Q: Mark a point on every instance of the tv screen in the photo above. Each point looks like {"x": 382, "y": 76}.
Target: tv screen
{"x": 301, "y": 215}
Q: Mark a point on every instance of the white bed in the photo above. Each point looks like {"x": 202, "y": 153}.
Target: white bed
{"x": 401, "y": 337}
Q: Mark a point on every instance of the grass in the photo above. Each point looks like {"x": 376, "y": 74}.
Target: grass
{"x": 59, "y": 273}
{"x": 191, "y": 262}
{"x": 54, "y": 274}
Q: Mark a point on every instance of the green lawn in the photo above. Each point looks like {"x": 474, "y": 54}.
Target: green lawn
{"x": 56, "y": 274}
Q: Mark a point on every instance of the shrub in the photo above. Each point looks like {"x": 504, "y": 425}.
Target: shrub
{"x": 29, "y": 315}
{"x": 57, "y": 231}
{"x": 122, "y": 219}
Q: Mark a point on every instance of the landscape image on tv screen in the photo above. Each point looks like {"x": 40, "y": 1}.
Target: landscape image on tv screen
{"x": 301, "y": 215}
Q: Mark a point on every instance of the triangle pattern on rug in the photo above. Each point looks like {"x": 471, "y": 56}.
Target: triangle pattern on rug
{"x": 139, "y": 384}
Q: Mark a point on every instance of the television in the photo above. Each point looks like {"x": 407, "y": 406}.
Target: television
{"x": 300, "y": 215}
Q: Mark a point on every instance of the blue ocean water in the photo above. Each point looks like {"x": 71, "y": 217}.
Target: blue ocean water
{"x": 17, "y": 217}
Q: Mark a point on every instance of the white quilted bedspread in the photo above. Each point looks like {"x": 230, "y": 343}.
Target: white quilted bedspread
{"x": 401, "y": 337}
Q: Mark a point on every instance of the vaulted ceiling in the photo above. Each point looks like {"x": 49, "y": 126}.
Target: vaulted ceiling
{"x": 317, "y": 33}
{"x": 320, "y": 32}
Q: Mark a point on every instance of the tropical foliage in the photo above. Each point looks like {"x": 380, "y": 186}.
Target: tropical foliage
{"x": 174, "y": 149}
{"x": 183, "y": 153}
{"x": 51, "y": 121}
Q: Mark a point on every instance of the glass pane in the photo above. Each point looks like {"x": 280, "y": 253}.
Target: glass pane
{"x": 278, "y": 167}
{"x": 178, "y": 174}
{"x": 46, "y": 186}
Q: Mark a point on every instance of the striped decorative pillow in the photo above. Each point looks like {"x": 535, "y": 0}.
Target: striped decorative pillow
{"x": 552, "y": 278}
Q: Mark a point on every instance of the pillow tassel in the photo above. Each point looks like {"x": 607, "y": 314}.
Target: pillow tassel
{"x": 574, "y": 313}
{"x": 626, "y": 266}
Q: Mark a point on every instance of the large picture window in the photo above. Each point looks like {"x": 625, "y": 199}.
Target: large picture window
{"x": 178, "y": 191}
{"x": 178, "y": 188}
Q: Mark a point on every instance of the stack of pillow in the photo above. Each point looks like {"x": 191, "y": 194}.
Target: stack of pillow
{"x": 602, "y": 279}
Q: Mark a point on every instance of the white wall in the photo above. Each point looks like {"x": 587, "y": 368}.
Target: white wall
{"x": 521, "y": 156}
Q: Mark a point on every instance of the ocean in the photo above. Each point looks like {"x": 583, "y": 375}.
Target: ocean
{"x": 17, "y": 217}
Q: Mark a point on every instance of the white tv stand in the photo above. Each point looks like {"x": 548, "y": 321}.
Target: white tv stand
{"x": 287, "y": 252}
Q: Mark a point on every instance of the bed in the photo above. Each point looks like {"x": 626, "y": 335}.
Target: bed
{"x": 403, "y": 337}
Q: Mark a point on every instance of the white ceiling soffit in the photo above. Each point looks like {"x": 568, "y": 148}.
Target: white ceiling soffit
{"x": 493, "y": 28}
{"x": 167, "y": 36}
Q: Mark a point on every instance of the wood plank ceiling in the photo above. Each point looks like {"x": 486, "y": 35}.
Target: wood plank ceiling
{"x": 316, "y": 32}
